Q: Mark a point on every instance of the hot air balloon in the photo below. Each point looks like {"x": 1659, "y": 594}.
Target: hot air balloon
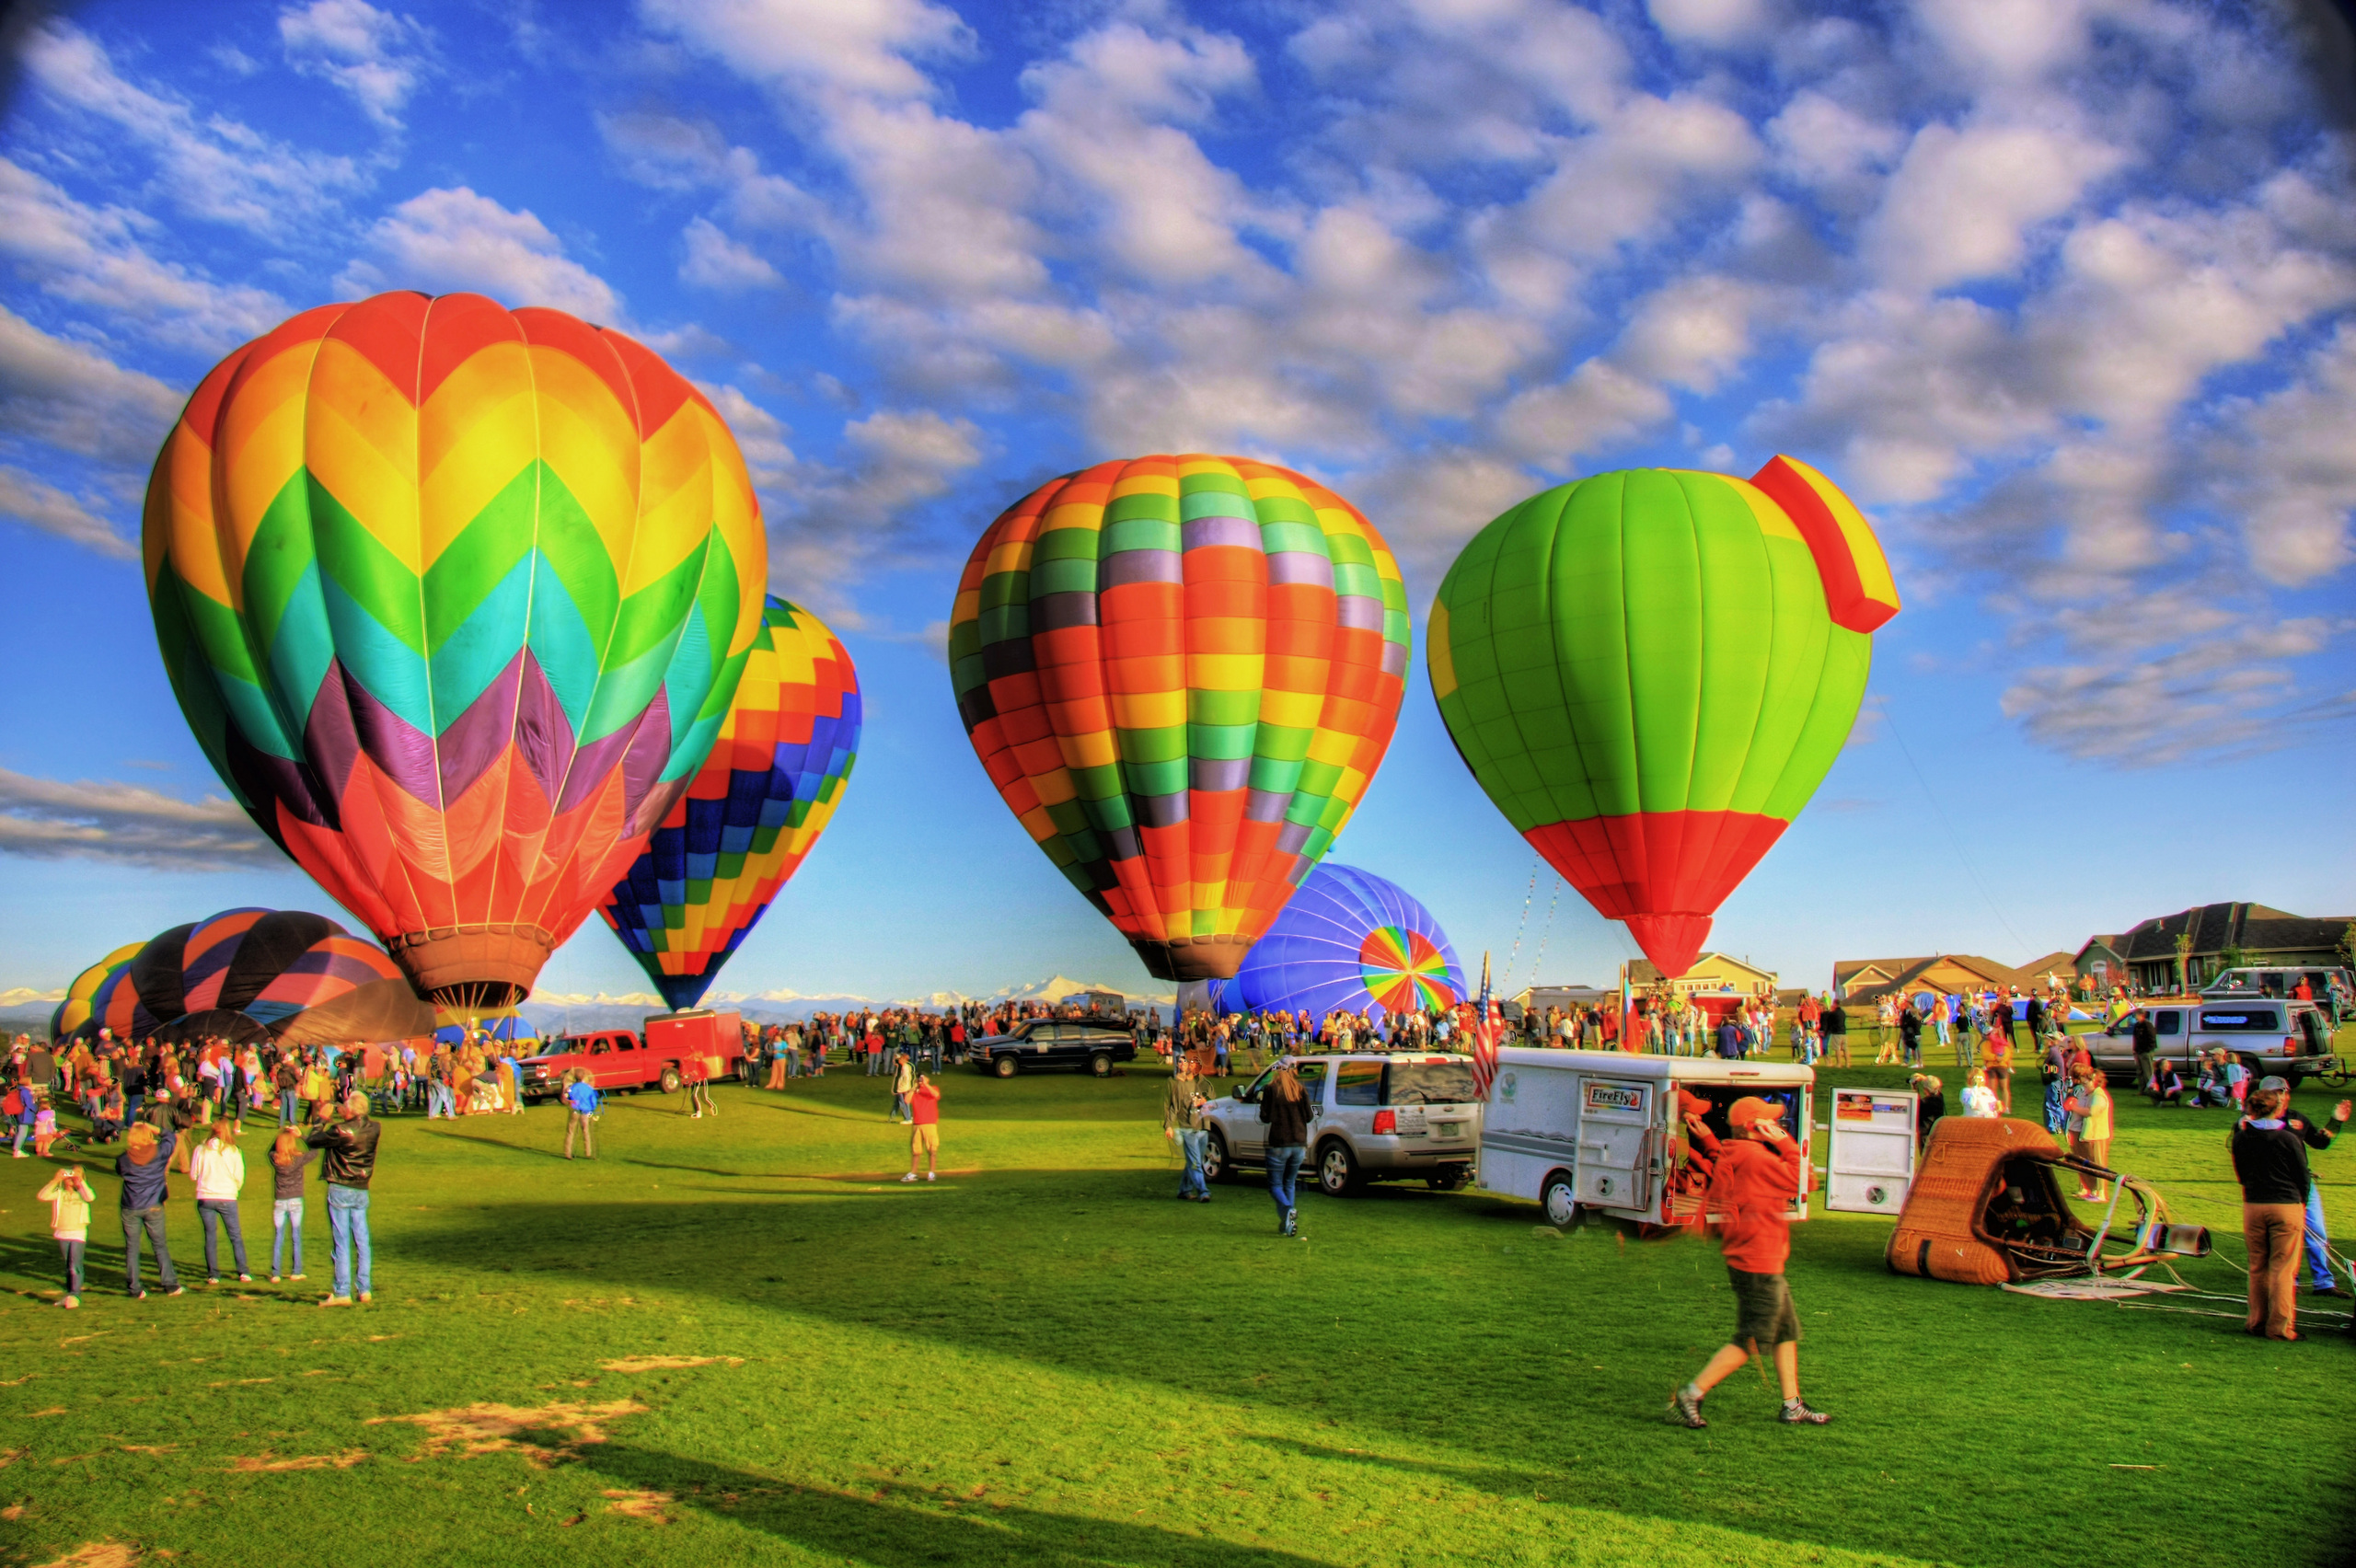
{"x": 755, "y": 808}
{"x": 259, "y": 974}
{"x": 75, "y": 1010}
{"x": 455, "y": 598}
{"x": 1650, "y": 672}
{"x": 1181, "y": 672}
{"x": 1349, "y": 940}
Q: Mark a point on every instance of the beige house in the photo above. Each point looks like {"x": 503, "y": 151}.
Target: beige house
{"x": 1947, "y": 973}
{"x": 1711, "y": 972}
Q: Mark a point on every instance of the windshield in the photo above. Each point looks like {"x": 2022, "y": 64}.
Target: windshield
{"x": 1432, "y": 1083}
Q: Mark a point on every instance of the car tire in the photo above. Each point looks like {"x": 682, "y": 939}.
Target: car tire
{"x": 1337, "y": 1171}
{"x": 2256, "y": 1069}
{"x": 670, "y": 1083}
{"x": 1217, "y": 1165}
{"x": 1005, "y": 1065}
{"x": 1101, "y": 1065}
{"x": 1559, "y": 1198}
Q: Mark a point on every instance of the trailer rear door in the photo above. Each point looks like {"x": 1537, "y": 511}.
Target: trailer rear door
{"x": 1871, "y": 1158}
{"x": 1614, "y": 1165}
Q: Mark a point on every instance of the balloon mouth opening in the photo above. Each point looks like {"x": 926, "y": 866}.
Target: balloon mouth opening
{"x": 1672, "y": 941}
{"x": 1193, "y": 958}
{"x": 473, "y": 968}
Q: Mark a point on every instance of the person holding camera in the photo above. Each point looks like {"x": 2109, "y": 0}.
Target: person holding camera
{"x": 2271, "y": 1162}
{"x": 350, "y": 1165}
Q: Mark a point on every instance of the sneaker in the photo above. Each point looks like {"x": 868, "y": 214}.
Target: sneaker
{"x": 176, "y": 1290}
{"x": 366, "y": 1299}
{"x": 245, "y": 1279}
{"x": 930, "y": 1175}
{"x": 337, "y": 1301}
{"x": 69, "y": 1303}
{"x": 1795, "y": 1412}
{"x": 910, "y": 1177}
{"x": 1685, "y": 1409}
{"x": 139, "y": 1296}
{"x": 273, "y": 1279}
{"x": 294, "y": 1277}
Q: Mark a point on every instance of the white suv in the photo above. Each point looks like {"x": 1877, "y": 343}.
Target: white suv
{"x": 1373, "y": 1117}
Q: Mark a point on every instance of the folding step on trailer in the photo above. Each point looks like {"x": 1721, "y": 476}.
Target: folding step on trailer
{"x": 1871, "y": 1167}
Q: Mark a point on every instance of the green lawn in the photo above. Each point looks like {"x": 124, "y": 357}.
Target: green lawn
{"x": 741, "y": 1339}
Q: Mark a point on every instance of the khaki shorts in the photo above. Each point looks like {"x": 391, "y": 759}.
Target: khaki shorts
{"x": 1763, "y": 1310}
{"x": 924, "y": 1139}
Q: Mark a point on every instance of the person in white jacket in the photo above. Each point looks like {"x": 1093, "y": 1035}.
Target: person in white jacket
{"x": 219, "y": 1172}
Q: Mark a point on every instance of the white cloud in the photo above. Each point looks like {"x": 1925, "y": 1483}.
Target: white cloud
{"x": 445, "y": 240}
{"x": 49, "y": 819}
{"x": 854, "y": 46}
{"x": 1719, "y": 23}
{"x": 94, "y": 257}
{"x": 375, "y": 56}
{"x": 716, "y": 261}
{"x": 209, "y": 166}
{"x": 42, "y": 505}
{"x": 74, "y": 398}
{"x": 2287, "y": 464}
{"x": 1958, "y": 205}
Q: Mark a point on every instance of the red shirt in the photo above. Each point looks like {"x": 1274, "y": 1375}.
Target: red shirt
{"x": 924, "y": 1106}
{"x": 1753, "y": 1186}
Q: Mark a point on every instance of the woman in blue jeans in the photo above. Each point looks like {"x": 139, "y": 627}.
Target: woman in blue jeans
{"x": 1284, "y": 1108}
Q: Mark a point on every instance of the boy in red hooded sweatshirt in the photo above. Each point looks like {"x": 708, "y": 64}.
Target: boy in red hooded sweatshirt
{"x": 1758, "y": 1174}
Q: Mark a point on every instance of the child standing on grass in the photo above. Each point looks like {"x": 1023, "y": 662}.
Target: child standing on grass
{"x": 288, "y": 1159}
{"x": 924, "y": 1128}
{"x": 1759, "y": 1173}
{"x": 69, "y": 1196}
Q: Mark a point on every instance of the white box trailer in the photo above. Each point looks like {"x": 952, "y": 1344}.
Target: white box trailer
{"x": 1602, "y": 1130}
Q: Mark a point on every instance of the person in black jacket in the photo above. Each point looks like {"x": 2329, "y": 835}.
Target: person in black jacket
{"x": 2270, "y": 1163}
{"x": 1286, "y": 1109}
{"x": 2147, "y": 1046}
{"x": 350, "y": 1147}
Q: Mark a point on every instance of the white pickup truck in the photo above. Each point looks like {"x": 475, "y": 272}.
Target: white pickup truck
{"x": 2267, "y": 1034}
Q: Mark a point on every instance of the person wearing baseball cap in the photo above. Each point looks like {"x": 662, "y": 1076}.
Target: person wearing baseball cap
{"x": 1759, "y": 1172}
{"x": 2269, "y": 1110}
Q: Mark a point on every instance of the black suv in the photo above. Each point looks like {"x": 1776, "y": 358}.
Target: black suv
{"x": 1093, "y": 1044}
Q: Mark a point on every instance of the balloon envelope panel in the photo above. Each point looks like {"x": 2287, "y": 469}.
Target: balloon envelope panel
{"x": 1348, "y": 940}
{"x": 1644, "y": 671}
{"x": 455, "y": 599}
{"x": 1181, "y": 674}
{"x": 247, "y": 974}
{"x": 757, "y": 807}
{"x": 75, "y": 1010}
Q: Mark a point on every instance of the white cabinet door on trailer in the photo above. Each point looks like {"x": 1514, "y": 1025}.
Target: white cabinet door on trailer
{"x": 1872, "y": 1160}
{"x": 1615, "y": 1143}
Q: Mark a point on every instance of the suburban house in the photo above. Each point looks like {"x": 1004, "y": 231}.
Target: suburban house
{"x": 1711, "y": 972}
{"x": 2054, "y": 970}
{"x": 1946, "y": 974}
{"x": 2251, "y": 933}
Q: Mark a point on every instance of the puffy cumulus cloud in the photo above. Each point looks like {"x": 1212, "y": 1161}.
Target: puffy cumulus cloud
{"x": 375, "y": 56}
{"x": 448, "y": 240}
{"x": 1718, "y": 24}
{"x": 49, "y": 819}
{"x": 868, "y": 47}
{"x": 96, "y": 256}
{"x": 1962, "y": 199}
{"x": 209, "y": 166}
{"x": 68, "y": 396}
{"x": 2286, "y": 468}
{"x": 715, "y": 261}
{"x": 41, "y": 505}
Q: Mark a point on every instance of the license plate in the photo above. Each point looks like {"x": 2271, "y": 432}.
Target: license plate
{"x": 1447, "y": 1129}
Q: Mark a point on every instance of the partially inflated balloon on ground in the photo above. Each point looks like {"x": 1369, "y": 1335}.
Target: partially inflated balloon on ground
{"x": 75, "y": 1010}
{"x": 1349, "y": 940}
{"x": 1650, "y": 673}
{"x": 455, "y": 598}
{"x": 257, "y": 974}
{"x": 1181, "y": 672}
{"x": 757, "y": 805}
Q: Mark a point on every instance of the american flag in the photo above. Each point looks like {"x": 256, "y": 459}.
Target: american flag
{"x": 1482, "y": 1031}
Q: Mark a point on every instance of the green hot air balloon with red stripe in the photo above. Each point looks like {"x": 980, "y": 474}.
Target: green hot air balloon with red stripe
{"x": 1651, "y": 671}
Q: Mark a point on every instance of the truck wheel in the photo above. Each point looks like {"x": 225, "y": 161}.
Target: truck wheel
{"x": 1006, "y": 1066}
{"x": 1559, "y": 1200}
{"x": 2250, "y": 1066}
{"x": 670, "y": 1078}
{"x": 1338, "y": 1172}
{"x": 1101, "y": 1065}
{"x": 1217, "y": 1165}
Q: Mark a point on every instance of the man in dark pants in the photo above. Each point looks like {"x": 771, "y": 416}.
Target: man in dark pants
{"x": 2036, "y": 1020}
{"x": 2148, "y": 1044}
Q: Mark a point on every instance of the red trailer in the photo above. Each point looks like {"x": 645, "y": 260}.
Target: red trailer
{"x": 717, "y": 1038}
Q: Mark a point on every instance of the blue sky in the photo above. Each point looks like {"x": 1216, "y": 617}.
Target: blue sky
{"x": 2063, "y": 291}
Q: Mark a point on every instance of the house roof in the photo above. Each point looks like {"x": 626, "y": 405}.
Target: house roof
{"x": 2052, "y": 962}
{"x": 2255, "y": 928}
{"x": 2112, "y": 943}
{"x": 1899, "y": 973}
{"x": 1644, "y": 971}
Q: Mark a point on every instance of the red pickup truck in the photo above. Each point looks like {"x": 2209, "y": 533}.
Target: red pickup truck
{"x": 622, "y": 1058}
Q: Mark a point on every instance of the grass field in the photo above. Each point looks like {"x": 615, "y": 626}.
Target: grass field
{"x": 742, "y": 1340}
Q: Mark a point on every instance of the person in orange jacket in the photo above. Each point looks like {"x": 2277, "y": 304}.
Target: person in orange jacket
{"x": 1759, "y": 1172}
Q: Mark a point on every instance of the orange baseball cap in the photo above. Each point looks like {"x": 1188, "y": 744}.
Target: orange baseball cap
{"x": 1751, "y": 1108}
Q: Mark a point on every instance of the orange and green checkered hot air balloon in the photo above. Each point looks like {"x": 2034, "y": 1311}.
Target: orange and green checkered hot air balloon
{"x": 1650, "y": 673}
{"x": 1181, "y": 674}
{"x": 455, "y": 598}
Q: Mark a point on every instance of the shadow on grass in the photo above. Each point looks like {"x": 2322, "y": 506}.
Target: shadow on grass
{"x": 898, "y": 1524}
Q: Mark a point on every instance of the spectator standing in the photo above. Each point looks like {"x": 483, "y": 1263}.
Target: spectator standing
{"x": 904, "y": 1083}
{"x": 288, "y": 1160}
{"x": 2087, "y": 1105}
{"x": 1978, "y": 1100}
{"x": 69, "y": 1197}
{"x": 1284, "y": 1109}
{"x": 2147, "y": 1044}
{"x": 349, "y": 1146}
{"x": 695, "y": 1071}
{"x": 1178, "y": 1121}
{"x": 2316, "y": 1238}
{"x": 1836, "y": 1035}
{"x": 2270, "y": 1163}
{"x": 924, "y": 1128}
{"x": 580, "y": 1112}
{"x": 1930, "y": 1104}
{"x": 218, "y": 1169}
{"x": 1910, "y": 1036}
{"x": 145, "y": 1167}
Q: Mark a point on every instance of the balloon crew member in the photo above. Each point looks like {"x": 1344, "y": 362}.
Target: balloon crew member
{"x": 2315, "y": 1238}
{"x": 1758, "y": 1174}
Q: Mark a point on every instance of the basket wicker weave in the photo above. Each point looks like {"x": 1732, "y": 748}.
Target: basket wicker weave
{"x": 1940, "y": 1231}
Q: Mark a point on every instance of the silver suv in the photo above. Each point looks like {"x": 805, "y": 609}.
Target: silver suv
{"x": 1373, "y": 1117}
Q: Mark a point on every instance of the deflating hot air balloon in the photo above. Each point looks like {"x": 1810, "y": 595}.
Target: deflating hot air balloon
{"x": 75, "y": 1010}
{"x": 1650, "y": 672}
{"x": 1352, "y": 941}
{"x": 1181, "y": 672}
{"x": 256, "y": 973}
{"x": 757, "y": 806}
{"x": 455, "y": 598}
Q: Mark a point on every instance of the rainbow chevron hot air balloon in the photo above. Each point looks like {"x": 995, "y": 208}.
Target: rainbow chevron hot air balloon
{"x": 757, "y": 805}
{"x": 75, "y": 1010}
{"x": 1349, "y": 940}
{"x": 1181, "y": 672}
{"x": 455, "y": 598}
{"x": 1650, "y": 672}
